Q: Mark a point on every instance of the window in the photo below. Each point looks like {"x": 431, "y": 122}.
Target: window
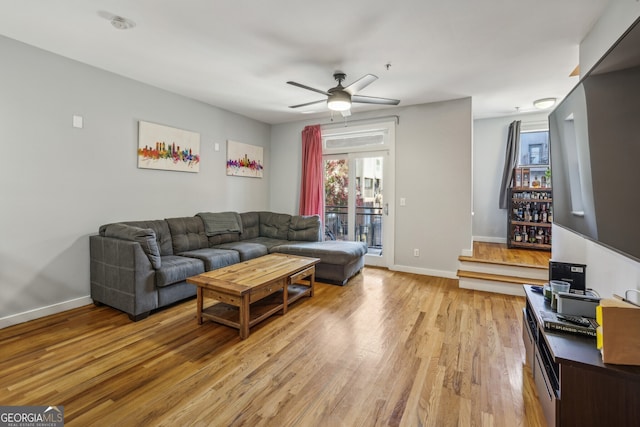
{"x": 534, "y": 153}
{"x": 534, "y": 148}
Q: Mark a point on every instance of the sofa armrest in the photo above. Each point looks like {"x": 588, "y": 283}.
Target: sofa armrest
{"x": 122, "y": 275}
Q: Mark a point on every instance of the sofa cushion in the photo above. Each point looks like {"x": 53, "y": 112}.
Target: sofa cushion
{"x": 213, "y": 258}
{"x": 176, "y": 269}
{"x": 304, "y": 228}
{"x": 247, "y": 250}
{"x": 274, "y": 225}
{"x": 187, "y": 234}
{"x": 223, "y": 238}
{"x": 330, "y": 251}
{"x": 268, "y": 242}
{"x": 159, "y": 226}
{"x": 221, "y": 222}
{"x": 146, "y": 237}
{"x": 250, "y": 225}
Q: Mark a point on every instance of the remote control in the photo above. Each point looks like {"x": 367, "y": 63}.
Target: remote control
{"x": 578, "y": 320}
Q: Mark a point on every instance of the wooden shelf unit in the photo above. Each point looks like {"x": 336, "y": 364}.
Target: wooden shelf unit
{"x": 518, "y": 220}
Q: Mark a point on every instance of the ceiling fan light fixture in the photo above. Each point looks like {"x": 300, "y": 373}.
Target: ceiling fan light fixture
{"x": 544, "y": 103}
{"x": 339, "y": 101}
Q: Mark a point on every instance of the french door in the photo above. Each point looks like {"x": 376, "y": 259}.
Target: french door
{"x": 357, "y": 203}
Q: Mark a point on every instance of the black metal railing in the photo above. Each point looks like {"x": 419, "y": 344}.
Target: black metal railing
{"x": 368, "y": 227}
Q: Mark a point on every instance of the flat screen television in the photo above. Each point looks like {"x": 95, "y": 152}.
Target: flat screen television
{"x": 594, "y": 138}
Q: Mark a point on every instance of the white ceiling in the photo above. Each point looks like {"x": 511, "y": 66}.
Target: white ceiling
{"x": 239, "y": 54}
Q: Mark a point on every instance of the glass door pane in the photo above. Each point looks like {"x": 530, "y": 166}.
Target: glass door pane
{"x": 354, "y": 200}
{"x": 336, "y": 186}
{"x": 369, "y": 203}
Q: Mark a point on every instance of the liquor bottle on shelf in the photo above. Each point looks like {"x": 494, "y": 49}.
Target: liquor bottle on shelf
{"x": 516, "y": 234}
{"x": 520, "y": 215}
{"x": 536, "y": 182}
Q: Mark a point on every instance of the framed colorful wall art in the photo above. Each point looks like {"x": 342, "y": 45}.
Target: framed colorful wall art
{"x": 167, "y": 148}
{"x": 244, "y": 160}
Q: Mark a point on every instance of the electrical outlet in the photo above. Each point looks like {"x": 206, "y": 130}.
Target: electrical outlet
{"x": 416, "y": 252}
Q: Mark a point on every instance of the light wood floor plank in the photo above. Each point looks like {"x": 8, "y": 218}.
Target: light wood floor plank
{"x": 388, "y": 349}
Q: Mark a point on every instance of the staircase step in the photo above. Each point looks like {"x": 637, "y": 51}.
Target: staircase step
{"x": 495, "y": 268}
{"x": 510, "y": 285}
{"x": 464, "y": 258}
{"x": 504, "y": 269}
{"x": 500, "y": 278}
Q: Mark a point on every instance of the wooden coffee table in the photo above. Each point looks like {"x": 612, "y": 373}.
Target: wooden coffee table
{"x": 251, "y": 291}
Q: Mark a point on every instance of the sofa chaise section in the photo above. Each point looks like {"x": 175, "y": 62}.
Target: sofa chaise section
{"x": 339, "y": 260}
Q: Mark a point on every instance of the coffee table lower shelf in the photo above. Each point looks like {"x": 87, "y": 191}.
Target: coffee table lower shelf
{"x": 229, "y": 315}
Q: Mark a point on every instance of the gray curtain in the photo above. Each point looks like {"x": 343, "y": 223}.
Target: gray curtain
{"x": 510, "y": 161}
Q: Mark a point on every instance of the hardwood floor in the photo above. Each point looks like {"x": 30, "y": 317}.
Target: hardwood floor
{"x": 389, "y": 348}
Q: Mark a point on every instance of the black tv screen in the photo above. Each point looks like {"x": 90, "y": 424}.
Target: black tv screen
{"x": 595, "y": 151}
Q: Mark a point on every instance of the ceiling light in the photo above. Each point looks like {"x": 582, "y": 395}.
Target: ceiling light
{"x": 544, "y": 103}
{"x": 339, "y": 101}
{"x": 122, "y": 23}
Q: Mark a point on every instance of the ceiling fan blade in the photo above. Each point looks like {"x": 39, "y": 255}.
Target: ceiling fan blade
{"x": 360, "y": 84}
{"x": 308, "y": 103}
{"x": 309, "y": 88}
{"x": 374, "y": 100}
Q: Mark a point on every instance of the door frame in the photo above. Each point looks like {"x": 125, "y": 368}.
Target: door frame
{"x": 386, "y": 150}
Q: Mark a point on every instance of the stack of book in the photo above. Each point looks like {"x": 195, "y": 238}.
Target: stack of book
{"x": 559, "y": 324}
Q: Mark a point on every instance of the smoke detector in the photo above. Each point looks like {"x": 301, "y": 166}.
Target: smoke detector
{"x": 122, "y": 23}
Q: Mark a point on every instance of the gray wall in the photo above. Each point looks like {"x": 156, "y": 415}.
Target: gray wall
{"x": 489, "y": 145}
{"x": 60, "y": 183}
{"x": 433, "y": 137}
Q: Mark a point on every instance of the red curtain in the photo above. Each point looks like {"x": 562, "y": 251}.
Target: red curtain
{"x": 312, "y": 186}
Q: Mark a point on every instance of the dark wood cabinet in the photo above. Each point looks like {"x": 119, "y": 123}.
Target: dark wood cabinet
{"x": 574, "y": 387}
{"x": 529, "y": 218}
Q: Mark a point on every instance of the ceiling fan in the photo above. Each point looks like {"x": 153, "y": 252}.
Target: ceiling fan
{"x": 339, "y": 98}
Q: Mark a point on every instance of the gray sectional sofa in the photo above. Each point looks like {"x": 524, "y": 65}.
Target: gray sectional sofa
{"x": 139, "y": 266}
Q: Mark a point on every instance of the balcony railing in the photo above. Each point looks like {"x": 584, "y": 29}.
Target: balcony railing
{"x": 368, "y": 227}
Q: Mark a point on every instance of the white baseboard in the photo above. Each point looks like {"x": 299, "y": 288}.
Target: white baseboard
{"x": 490, "y": 239}
{"x": 44, "y": 311}
{"x": 424, "y": 271}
